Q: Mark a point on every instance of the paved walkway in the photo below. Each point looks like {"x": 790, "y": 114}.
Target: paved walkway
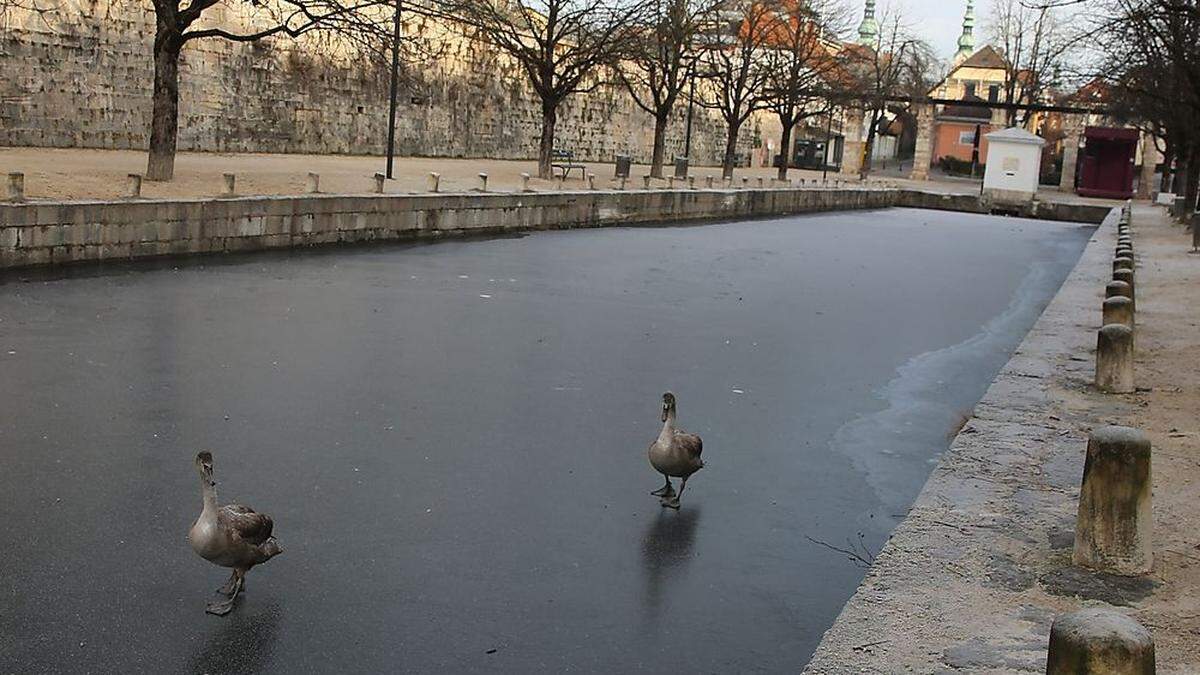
{"x": 972, "y": 579}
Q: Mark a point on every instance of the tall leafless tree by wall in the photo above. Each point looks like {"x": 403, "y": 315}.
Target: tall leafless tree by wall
{"x": 178, "y": 23}
{"x": 734, "y": 66}
{"x": 802, "y": 64}
{"x": 561, "y": 46}
{"x": 1035, "y": 42}
{"x": 660, "y": 63}
{"x": 1151, "y": 63}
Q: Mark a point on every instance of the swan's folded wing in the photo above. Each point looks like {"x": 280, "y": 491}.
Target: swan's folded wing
{"x": 252, "y": 527}
{"x": 690, "y": 443}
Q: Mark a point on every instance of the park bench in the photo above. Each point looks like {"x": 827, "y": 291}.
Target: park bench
{"x": 564, "y": 160}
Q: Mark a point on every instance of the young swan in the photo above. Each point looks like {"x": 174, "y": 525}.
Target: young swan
{"x": 674, "y": 454}
{"x": 230, "y": 536}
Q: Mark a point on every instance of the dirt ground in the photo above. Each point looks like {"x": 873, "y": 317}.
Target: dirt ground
{"x": 73, "y": 174}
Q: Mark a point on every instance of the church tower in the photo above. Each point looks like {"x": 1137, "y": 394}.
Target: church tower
{"x": 966, "y": 41}
{"x": 868, "y": 30}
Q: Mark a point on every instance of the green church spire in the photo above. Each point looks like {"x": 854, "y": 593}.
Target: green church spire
{"x": 966, "y": 41}
{"x": 868, "y": 30}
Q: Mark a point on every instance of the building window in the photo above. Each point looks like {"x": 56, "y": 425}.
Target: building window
{"x": 993, "y": 93}
{"x": 966, "y": 138}
{"x": 970, "y": 89}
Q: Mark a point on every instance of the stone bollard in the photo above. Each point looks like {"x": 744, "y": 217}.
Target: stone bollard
{"x": 379, "y": 180}
{"x": 708, "y": 182}
{"x": 1118, "y": 309}
{"x": 745, "y": 181}
{"x": 525, "y": 183}
{"x": 434, "y": 181}
{"x": 691, "y": 182}
{"x": 591, "y": 180}
{"x": 1117, "y": 288}
{"x": 760, "y": 183}
{"x": 313, "y": 184}
{"x": 1113, "y": 531}
{"x": 1126, "y": 275}
{"x": 646, "y": 182}
{"x": 133, "y": 189}
{"x": 16, "y": 187}
{"x": 1099, "y": 642}
{"x": 230, "y": 184}
{"x": 1114, "y": 359}
{"x": 1122, "y": 262}
{"x": 482, "y": 182}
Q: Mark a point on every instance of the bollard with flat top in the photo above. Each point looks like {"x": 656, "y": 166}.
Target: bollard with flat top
{"x": 483, "y": 177}
{"x": 379, "y": 180}
{"x": 16, "y": 187}
{"x": 1113, "y": 529}
{"x": 1114, "y": 359}
{"x": 591, "y": 181}
{"x": 646, "y": 182}
{"x": 1099, "y": 641}
{"x": 434, "y": 181}
{"x": 312, "y": 184}
{"x": 230, "y": 182}
{"x": 708, "y": 182}
{"x": 525, "y": 183}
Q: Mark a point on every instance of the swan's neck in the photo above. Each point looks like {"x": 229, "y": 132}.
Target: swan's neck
{"x": 668, "y": 429}
{"x": 209, "y": 492}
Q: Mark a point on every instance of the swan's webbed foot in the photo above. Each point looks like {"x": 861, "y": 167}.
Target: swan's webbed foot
{"x": 664, "y": 491}
{"x": 670, "y": 502}
{"x": 220, "y": 607}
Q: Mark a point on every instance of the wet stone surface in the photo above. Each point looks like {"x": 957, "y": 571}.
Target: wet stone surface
{"x": 451, "y": 439}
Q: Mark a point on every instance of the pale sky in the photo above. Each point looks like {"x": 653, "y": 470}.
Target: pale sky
{"x": 938, "y": 21}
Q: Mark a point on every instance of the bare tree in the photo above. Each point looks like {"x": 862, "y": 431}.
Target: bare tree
{"x": 1034, "y": 43}
{"x": 733, "y": 63}
{"x": 560, "y": 44}
{"x": 884, "y": 71}
{"x": 177, "y": 24}
{"x": 801, "y": 63}
{"x": 660, "y": 62}
{"x": 1152, "y": 67}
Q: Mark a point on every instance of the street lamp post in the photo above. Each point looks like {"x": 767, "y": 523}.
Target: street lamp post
{"x": 391, "y": 141}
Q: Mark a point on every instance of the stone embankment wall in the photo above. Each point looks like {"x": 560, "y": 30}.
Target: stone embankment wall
{"x": 58, "y": 233}
{"x": 81, "y": 77}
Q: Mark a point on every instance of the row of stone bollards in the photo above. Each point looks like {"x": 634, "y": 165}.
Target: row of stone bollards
{"x": 1113, "y": 525}
{"x": 133, "y": 185}
{"x": 1115, "y": 340}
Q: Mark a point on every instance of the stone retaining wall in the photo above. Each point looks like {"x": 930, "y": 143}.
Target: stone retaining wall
{"x": 57, "y": 233}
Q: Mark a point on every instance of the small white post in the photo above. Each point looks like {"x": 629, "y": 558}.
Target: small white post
{"x": 313, "y": 184}
{"x": 379, "y": 179}
{"x": 483, "y": 182}
{"x": 646, "y": 182}
{"x": 133, "y": 189}
{"x": 591, "y": 180}
{"x": 230, "y": 184}
{"x": 434, "y": 179}
{"x": 525, "y": 183}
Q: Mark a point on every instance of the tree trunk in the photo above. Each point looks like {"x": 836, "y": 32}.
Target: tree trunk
{"x": 868, "y": 149}
{"x": 164, "y": 118}
{"x": 546, "y": 149}
{"x": 660, "y": 142}
{"x": 1168, "y": 160}
{"x": 785, "y": 144}
{"x": 730, "y": 151}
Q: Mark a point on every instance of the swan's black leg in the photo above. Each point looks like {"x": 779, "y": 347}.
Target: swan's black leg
{"x": 672, "y": 500}
{"x": 223, "y": 607}
{"x": 666, "y": 489}
{"x": 227, "y": 589}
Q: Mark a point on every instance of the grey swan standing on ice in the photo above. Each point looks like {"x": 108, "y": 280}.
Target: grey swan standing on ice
{"x": 675, "y": 454}
{"x": 232, "y": 535}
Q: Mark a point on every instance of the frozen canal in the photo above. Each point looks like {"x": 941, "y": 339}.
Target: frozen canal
{"x": 452, "y": 441}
